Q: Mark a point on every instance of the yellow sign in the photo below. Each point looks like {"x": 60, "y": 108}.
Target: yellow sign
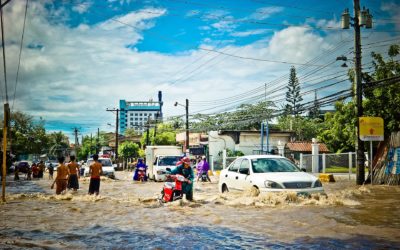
{"x": 371, "y": 128}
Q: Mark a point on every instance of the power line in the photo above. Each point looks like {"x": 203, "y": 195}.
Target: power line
{"x": 4, "y": 52}
{"x": 19, "y": 57}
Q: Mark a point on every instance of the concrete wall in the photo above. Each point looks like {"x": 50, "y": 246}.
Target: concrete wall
{"x": 217, "y": 143}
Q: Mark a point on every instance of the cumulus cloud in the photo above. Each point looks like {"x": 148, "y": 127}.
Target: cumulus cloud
{"x": 74, "y": 74}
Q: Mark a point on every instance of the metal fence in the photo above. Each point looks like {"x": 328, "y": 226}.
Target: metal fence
{"x": 219, "y": 163}
{"x": 330, "y": 163}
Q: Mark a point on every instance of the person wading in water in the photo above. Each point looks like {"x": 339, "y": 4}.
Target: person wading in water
{"x": 95, "y": 170}
{"x": 62, "y": 176}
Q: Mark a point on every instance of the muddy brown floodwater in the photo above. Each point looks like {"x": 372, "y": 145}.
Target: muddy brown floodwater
{"x": 127, "y": 215}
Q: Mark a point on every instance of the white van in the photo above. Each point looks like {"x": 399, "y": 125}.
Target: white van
{"x": 160, "y": 165}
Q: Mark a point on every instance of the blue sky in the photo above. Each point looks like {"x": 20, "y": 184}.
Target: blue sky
{"x": 80, "y": 57}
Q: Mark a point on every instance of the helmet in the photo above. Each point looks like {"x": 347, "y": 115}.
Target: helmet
{"x": 185, "y": 160}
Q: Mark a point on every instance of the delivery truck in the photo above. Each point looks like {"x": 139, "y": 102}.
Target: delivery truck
{"x": 159, "y": 158}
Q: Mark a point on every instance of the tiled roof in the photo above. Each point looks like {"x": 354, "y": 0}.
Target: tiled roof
{"x": 305, "y": 147}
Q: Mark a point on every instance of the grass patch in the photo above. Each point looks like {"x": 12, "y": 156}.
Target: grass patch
{"x": 337, "y": 169}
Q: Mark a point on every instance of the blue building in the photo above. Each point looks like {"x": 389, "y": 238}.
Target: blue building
{"x": 135, "y": 114}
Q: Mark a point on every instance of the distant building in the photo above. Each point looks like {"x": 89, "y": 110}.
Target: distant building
{"x": 135, "y": 114}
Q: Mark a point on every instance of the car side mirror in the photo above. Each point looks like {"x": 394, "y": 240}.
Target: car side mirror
{"x": 303, "y": 169}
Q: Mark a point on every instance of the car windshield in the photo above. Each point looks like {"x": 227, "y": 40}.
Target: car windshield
{"x": 168, "y": 160}
{"x": 268, "y": 165}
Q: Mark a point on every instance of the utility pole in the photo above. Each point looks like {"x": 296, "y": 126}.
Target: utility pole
{"x": 116, "y": 131}
{"x": 148, "y": 131}
{"x": 361, "y": 18}
{"x": 4, "y": 167}
{"x": 357, "y": 45}
{"x": 98, "y": 141}
{"x": 76, "y": 140}
{"x": 187, "y": 121}
{"x": 155, "y": 127}
{"x": 76, "y": 131}
{"x": 187, "y": 124}
{"x": 91, "y": 139}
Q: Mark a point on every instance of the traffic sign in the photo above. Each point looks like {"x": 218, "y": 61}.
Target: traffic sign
{"x": 371, "y": 128}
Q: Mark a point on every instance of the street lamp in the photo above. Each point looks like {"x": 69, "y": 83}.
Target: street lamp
{"x": 187, "y": 121}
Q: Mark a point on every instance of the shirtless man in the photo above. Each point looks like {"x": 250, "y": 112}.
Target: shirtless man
{"x": 95, "y": 170}
{"x": 73, "y": 169}
{"x": 62, "y": 176}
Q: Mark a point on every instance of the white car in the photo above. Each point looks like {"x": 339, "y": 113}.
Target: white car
{"x": 267, "y": 173}
{"x": 107, "y": 166}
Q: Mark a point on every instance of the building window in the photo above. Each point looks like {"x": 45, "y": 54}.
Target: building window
{"x": 131, "y": 119}
{"x": 140, "y": 114}
{"x": 131, "y": 123}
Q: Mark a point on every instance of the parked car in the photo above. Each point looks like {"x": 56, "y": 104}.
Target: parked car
{"x": 23, "y": 166}
{"x": 267, "y": 173}
{"x": 108, "y": 167}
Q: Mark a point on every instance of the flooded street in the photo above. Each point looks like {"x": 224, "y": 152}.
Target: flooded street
{"x": 127, "y": 215}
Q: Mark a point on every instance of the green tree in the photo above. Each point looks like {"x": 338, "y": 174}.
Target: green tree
{"x": 304, "y": 128}
{"x": 128, "y": 150}
{"x": 293, "y": 96}
{"x": 131, "y": 132}
{"x": 58, "y": 143}
{"x": 247, "y": 116}
{"x": 339, "y": 128}
{"x": 383, "y": 99}
{"x": 27, "y": 136}
{"x": 166, "y": 135}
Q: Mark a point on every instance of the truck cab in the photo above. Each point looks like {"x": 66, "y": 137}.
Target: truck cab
{"x": 159, "y": 158}
{"x": 161, "y": 163}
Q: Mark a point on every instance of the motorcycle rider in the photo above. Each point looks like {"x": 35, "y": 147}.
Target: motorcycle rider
{"x": 203, "y": 167}
{"x": 140, "y": 165}
{"x": 186, "y": 170}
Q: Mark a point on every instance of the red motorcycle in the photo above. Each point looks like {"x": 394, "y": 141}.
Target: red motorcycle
{"x": 172, "y": 189}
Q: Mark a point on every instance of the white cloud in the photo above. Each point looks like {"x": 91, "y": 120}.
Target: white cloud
{"x": 77, "y": 73}
{"x": 266, "y": 12}
{"x": 393, "y": 9}
{"x": 82, "y": 7}
{"x": 249, "y": 32}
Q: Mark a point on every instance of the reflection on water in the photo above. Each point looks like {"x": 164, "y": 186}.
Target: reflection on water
{"x": 128, "y": 215}
{"x": 186, "y": 237}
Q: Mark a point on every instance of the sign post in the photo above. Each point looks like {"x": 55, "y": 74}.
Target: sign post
{"x": 371, "y": 129}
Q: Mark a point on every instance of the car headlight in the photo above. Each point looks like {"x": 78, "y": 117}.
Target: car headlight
{"x": 271, "y": 184}
{"x": 317, "y": 184}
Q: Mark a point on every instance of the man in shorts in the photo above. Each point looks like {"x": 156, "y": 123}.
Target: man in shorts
{"x": 73, "y": 169}
{"x": 62, "y": 176}
{"x": 95, "y": 170}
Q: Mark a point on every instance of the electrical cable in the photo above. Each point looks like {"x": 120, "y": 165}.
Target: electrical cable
{"x": 19, "y": 57}
{"x": 4, "y": 54}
